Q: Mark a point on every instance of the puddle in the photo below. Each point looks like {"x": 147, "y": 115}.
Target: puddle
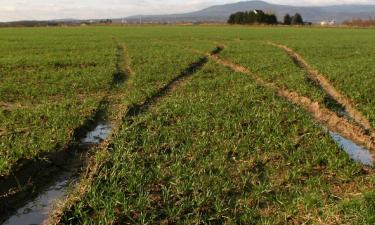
{"x": 37, "y": 210}
{"x": 356, "y": 152}
{"x": 99, "y": 134}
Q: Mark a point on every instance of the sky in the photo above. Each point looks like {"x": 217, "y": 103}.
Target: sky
{"x": 12, "y": 10}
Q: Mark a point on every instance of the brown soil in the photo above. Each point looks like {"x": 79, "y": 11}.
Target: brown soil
{"x": 327, "y": 87}
{"x": 320, "y": 113}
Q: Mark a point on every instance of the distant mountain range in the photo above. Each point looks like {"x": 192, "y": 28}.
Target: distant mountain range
{"x": 220, "y": 13}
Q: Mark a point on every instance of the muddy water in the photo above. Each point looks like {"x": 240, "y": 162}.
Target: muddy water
{"x": 99, "y": 134}
{"x": 356, "y": 152}
{"x": 36, "y": 211}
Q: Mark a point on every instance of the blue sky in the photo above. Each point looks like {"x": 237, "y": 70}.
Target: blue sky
{"x": 84, "y": 9}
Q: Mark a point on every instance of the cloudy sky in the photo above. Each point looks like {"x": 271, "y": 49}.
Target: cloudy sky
{"x": 11, "y": 10}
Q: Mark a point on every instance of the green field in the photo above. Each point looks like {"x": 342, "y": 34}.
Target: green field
{"x": 197, "y": 141}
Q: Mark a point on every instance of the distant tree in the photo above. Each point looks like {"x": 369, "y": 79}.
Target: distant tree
{"x": 272, "y": 19}
{"x": 261, "y": 17}
{"x": 287, "y": 19}
{"x": 297, "y": 19}
{"x": 107, "y": 21}
{"x": 232, "y": 18}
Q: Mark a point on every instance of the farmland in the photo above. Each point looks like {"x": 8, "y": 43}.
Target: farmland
{"x": 210, "y": 124}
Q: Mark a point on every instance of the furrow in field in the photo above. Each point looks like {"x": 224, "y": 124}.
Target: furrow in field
{"x": 66, "y": 162}
{"x": 170, "y": 86}
{"x": 319, "y": 112}
{"x": 327, "y": 86}
{"x": 115, "y": 113}
{"x": 131, "y": 111}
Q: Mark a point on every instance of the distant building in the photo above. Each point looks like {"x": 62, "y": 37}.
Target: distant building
{"x": 328, "y": 23}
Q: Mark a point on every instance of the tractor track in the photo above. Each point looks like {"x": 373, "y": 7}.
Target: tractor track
{"x": 325, "y": 84}
{"x": 134, "y": 110}
{"x": 357, "y": 132}
{"x": 137, "y": 109}
{"x": 35, "y": 175}
{"x": 320, "y": 113}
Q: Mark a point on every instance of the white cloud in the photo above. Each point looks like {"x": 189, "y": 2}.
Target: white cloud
{"x": 85, "y": 9}
{"x": 321, "y": 2}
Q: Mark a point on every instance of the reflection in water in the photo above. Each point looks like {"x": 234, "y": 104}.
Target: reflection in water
{"x": 37, "y": 210}
{"x": 100, "y": 133}
{"x": 357, "y": 153}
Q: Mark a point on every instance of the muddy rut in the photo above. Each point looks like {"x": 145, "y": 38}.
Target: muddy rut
{"x": 131, "y": 111}
{"x": 33, "y": 176}
{"x": 117, "y": 109}
{"x": 319, "y": 112}
{"x": 325, "y": 84}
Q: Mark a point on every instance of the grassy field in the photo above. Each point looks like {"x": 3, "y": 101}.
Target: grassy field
{"x": 199, "y": 142}
{"x": 346, "y": 63}
{"x": 51, "y": 82}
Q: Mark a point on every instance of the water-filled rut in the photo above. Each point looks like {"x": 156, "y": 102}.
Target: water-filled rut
{"x": 40, "y": 182}
{"x": 37, "y": 210}
{"x": 355, "y": 152}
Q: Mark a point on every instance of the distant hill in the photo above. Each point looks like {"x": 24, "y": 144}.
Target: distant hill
{"x": 220, "y": 13}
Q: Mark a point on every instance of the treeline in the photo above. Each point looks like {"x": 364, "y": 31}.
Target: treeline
{"x": 293, "y": 20}
{"x": 253, "y": 17}
{"x": 360, "y": 23}
{"x": 30, "y": 24}
{"x": 260, "y": 17}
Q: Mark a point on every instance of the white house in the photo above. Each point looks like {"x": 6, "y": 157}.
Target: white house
{"x": 332, "y": 23}
{"x": 328, "y": 23}
{"x": 256, "y": 11}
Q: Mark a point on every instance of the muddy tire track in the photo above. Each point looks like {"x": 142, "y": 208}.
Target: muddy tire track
{"x": 319, "y": 112}
{"x": 33, "y": 175}
{"x": 325, "y": 84}
{"x": 94, "y": 166}
{"x": 30, "y": 176}
{"x": 123, "y": 78}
